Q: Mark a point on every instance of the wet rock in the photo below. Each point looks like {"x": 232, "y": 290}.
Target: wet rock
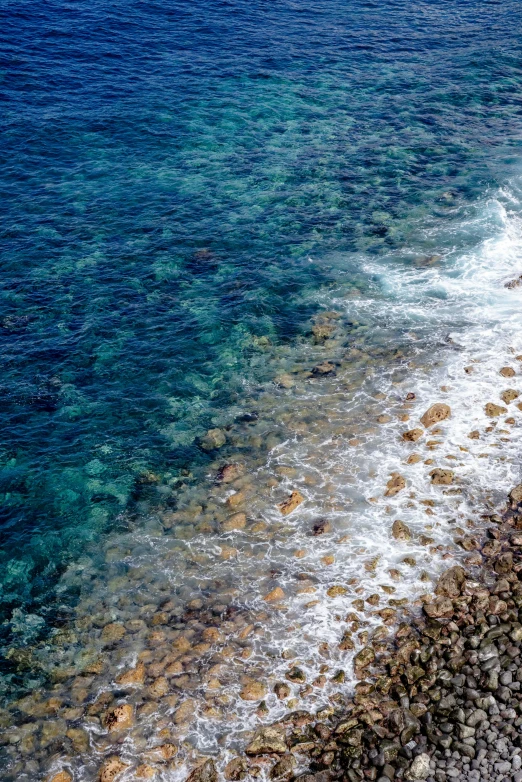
{"x": 514, "y": 283}
{"x": 290, "y": 504}
{"x": 326, "y": 368}
{"x": 111, "y": 768}
{"x": 236, "y": 769}
{"x": 61, "y": 776}
{"x": 119, "y": 718}
{"x": 412, "y": 435}
{"x": 204, "y": 773}
{"x": 435, "y": 414}
{"x": 441, "y": 477}
{"x": 269, "y": 740}
{"x": 186, "y": 712}
{"x": 396, "y": 484}
{"x": 284, "y": 768}
{"x": 253, "y": 691}
{"x": 213, "y": 439}
{"x": 145, "y": 772}
{"x": 112, "y": 633}
{"x": 492, "y": 410}
{"x": 440, "y": 607}
{"x": 134, "y": 676}
{"x": 275, "y": 595}
{"x": 161, "y": 753}
{"x": 336, "y": 591}
{"x": 296, "y": 674}
{"x": 400, "y": 530}
{"x": 282, "y": 690}
{"x": 321, "y": 527}
{"x": 321, "y": 332}
{"x": 450, "y": 582}
{"x": 364, "y": 658}
{"x": 509, "y": 396}
{"x": 515, "y": 495}
{"x": 229, "y": 473}
{"x": 420, "y": 768}
{"x": 507, "y": 372}
{"x": 235, "y": 522}
{"x": 79, "y": 739}
{"x": 284, "y": 381}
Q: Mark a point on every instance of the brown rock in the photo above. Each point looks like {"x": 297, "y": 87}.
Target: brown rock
{"x": 412, "y": 435}
{"x": 474, "y": 435}
{"x": 450, "y": 582}
{"x": 112, "y": 633}
{"x": 440, "y": 477}
{"x": 326, "y": 368}
{"x": 111, "y": 768}
{"x": 282, "y": 690}
{"x": 79, "y": 739}
{"x": 235, "y": 522}
{"x": 400, "y": 530}
{"x": 364, "y": 658}
{"x": 229, "y": 473}
{"x": 269, "y": 740}
{"x": 322, "y": 332}
{"x": 145, "y": 772}
{"x": 507, "y": 372}
{"x": 395, "y": 485}
{"x": 509, "y": 396}
{"x": 214, "y": 438}
{"x": 414, "y": 458}
{"x": 134, "y": 676}
{"x": 440, "y": 607}
{"x": 186, "y": 712}
{"x": 291, "y": 503}
{"x": 159, "y": 687}
{"x": 235, "y": 769}
{"x": 436, "y": 413}
{"x": 161, "y": 754}
{"x": 119, "y": 718}
{"x": 61, "y": 776}
{"x": 253, "y": 691}
{"x": 493, "y": 410}
{"x": 336, "y": 591}
{"x": 515, "y": 495}
{"x": 204, "y": 773}
{"x": 284, "y": 768}
{"x": 275, "y": 595}
{"x": 284, "y": 381}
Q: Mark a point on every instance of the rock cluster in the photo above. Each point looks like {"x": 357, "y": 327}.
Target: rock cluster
{"x": 443, "y": 702}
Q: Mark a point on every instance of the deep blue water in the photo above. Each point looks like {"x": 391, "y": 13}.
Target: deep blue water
{"x": 174, "y": 177}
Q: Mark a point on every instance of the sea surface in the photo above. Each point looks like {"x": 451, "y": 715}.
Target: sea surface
{"x": 201, "y": 203}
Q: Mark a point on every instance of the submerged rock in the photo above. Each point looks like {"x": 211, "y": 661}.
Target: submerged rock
{"x": 290, "y": 504}
{"x": 204, "y": 773}
{"x": 440, "y": 477}
{"x": 400, "y": 530}
{"x": 111, "y": 768}
{"x": 396, "y": 484}
{"x": 213, "y": 439}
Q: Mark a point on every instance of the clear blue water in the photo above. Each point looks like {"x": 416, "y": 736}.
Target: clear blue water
{"x": 175, "y": 179}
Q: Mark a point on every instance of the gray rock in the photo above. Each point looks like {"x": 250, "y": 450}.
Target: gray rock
{"x": 420, "y": 768}
{"x": 476, "y": 717}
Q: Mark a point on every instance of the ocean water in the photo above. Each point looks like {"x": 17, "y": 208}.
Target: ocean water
{"x": 186, "y": 190}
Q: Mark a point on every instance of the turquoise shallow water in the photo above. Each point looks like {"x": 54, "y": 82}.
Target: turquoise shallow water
{"x": 178, "y": 182}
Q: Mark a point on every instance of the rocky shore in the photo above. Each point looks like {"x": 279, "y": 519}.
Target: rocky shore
{"x": 442, "y": 702}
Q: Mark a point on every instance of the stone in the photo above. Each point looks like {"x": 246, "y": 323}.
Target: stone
{"x": 492, "y": 410}
{"x": 79, "y": 739}
{"x": 145, "y": 772}
{"x": 507, "y": 372}
{"x": 509, "y": 396}
{"x": 204, "y": 773}
{"x": 364, "y": 658}
{"x": 442, "y": 477}
{"x": 284, "y": 380}
{"x": 112, "y": 633}
{"x": 336, "y": 591}
{"x": 186, "y": 712}
{"x": 61, "y": 776}
{"x": 326, "y": 368}
{"x": 442, "y": 606}
{"x": 282, "y": 690}
{"x": 321, "y": 527}
{"x": 412, "y": 435}
{"x": 284, "y": 768}
{"x": 268, "y": 740}
{"x": 161, "y": 753}
{"x": 213, "y": 439}
{"x": 394, "y": 485}
{"x": 111, "y": 768}
{"x": 290, "y": 504}
{"x": 253, "y": 691}
{"x": 275, "y": 595}
{"x": 235, "y": 769}
{"x": 235, "y": 522}
{"x": 322, "y": 332}
{"x": 119, "y": 718}
{"x": 134, "y": 676}
{"x": 229, "y": 473}
{"x": 515, "y": 495}
{"x": 420, "y": 768}
{"x": 435, "y": 414}
{"x": 451, "y": 581}
{"x": 400, "y": 530}
{"x": 295, "y": 674}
